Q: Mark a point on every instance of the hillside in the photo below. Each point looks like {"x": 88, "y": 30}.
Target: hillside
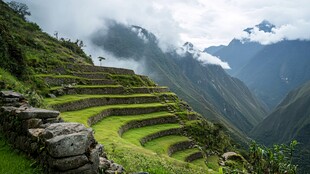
{"x": 270, "y": 71}
{"x": 290, "y": 120}
{"x": 143, "y": 126}
{"x": 205, "y": 87}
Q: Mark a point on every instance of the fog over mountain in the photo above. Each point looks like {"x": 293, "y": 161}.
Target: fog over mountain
{"x": 204, "y": 23}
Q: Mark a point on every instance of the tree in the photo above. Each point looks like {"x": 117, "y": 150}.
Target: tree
{"x": 101, "y": 59}
{"x": 20, "y": 8}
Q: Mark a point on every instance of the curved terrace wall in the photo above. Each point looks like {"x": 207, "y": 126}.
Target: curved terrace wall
{"x": 59, "y": 147}
{"x": 92, "y": 102}
{"x": 146, "y": 122}
{"x": 123, "y": 112}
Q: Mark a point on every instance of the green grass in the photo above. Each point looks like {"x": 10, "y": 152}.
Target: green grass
{"x": 136, "y": 158}
{"x": 82, "y": 116}
{"x": 161, "y": 145}
{"x": 200, "y": 162}
{"x": 13, "y": 162}
{"x": 72, "y": 98}
{"x": 181, "y": 155}
{"x": 134, "y": 135}
{"x": 212, "y": 162}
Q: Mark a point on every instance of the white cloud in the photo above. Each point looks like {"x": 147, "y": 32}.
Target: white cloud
{"x": 299, "y": 30}
{"x": 203, "y": 57}
{"x": 202, "y": 22}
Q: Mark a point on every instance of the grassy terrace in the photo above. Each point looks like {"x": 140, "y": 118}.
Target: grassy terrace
{"x": 72, "y": 98}
{"x": 133, "y": 157}
{"x": 134, "y": 135}
{"x": 161, "y": 145}
{"x": 82, "y": 116}
{"x": 12, "y": 162}
{"x": 87, "y": 86}
{"x": 181, "y": 155}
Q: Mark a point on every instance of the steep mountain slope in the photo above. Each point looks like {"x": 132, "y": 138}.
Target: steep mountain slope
{"x": 206, "y": 87}
{"x": 237, "y": 54}
{"x": 290, "y": 120}
{"x": 277, "y": 69}
{"x": 270, "y": 71}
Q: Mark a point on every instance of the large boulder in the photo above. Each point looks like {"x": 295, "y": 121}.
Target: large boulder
{"x": 69, "y": 145}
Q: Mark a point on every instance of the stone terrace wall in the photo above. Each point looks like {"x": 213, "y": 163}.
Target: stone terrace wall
{"x": 59, "y": 147}
{"x": 194, "y": 156}
{"x": 180, "y": 146}
{"x": 146, "y": 122}
{"x": 57, "y": 81}
{"x": 173, "y": 131}
{"x": 92, "y": 102}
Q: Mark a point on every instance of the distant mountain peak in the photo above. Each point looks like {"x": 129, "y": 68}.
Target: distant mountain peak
{"x": 188, "y": 46}
{"x": 265, "y": 26}
{"x": 143, "y": 34}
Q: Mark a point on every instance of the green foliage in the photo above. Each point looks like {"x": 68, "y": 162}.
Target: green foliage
{"x": 20, "y": 8}
{"x": 12, "y": 161}
{"x": 210, "y": 137}
{"x": 76, "y": 47}
{"x": 132, "y": 80}
{"x": 277, "y": 159}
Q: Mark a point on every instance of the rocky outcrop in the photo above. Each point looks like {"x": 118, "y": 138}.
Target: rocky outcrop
{"x": 59, "y": 147}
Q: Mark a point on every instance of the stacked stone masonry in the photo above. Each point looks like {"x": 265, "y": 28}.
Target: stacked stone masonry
{"x": 59, "y": 147}
{"x": 180, "y": 146}
{"x": 93, "y": 102}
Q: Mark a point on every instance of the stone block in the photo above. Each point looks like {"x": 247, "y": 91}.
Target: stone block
{"x": 68, "y": 145}
{"x": 64, "y": 164}
{"x": 57, "y": 129}
{"x": 37, "y": 113}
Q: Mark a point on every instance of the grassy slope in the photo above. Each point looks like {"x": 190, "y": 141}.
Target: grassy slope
{"x": 134, "y": 157}
{"x": 82, "y": 115}
{"x": 135, "y": 135}
{"x": 12, "y": 162}
{"x": 181, "y": 155}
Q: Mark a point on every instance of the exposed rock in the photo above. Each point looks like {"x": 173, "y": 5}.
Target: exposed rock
{"x": 227, "y": 155}
{"x": 56, "y": 129}
{"x": 65, "y": 164}
{"x": 37, "y": 113}
{"x": 11, "y": 94}
{"x": 32, "y": 123}
{"x": 68, "y": 145}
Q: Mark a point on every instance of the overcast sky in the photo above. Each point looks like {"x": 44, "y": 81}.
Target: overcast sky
{"x": 202, "y": 22}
